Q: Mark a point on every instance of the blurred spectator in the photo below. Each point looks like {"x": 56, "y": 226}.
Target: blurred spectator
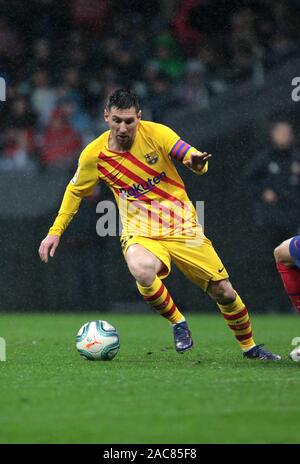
{"x": 166, "y": 56}
{"x": 73, "y": 83}
{"x": 49, "y": 19}
{"x": 193, "y": 92}
{"x": 214, "y": 65}
{"x": 61, "y": 144}
{"x": 78, "y": 119}
{"x": 21, "y": 114}
{"x": 43, "y": 97}
{"x": 187, "y": 34}
{"x": 246, "y": 56}
{"x": 21, "y": 117}
{"x": 14, "y": 155}
{"x": 161, "y": 96}
{"x": 180, "y": 52}
{"x": 41, "y": 54}
{"x": 10, "y": 42}
{"x": 121, "y": 60}
{"x": 91, "y": 15}
{"x": 285, "y": 13}
{"x": 282, "y": 46}
{"x": 274, "y": 179}
{"x": 242, "y": 23}
{"x": 76, "y": 51}
{"x": 246, "y": 63}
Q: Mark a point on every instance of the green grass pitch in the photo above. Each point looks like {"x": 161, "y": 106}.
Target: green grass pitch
{"x": 149, "y": 393}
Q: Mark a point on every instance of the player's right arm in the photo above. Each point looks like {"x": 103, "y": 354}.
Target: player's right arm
{"x": 82, "y": 185}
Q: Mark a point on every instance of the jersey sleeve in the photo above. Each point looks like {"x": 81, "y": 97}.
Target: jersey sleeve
{"x": 177, "y": 148}
{"x": 81, "y": 185}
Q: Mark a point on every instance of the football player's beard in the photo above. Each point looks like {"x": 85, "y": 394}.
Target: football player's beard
{"x": 125, "y": 143}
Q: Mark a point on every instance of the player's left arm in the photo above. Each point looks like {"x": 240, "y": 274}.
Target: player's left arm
{"x": 183, "y": 152}
{"x": 198, "y": 161}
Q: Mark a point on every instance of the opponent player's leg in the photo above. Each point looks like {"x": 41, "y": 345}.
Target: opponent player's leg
{"x": 145, "y": 267}
{"x": 287, "y": 258}
{"x": 236, "y": 315}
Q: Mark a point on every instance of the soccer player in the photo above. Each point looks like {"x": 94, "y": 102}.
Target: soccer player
{"x": 135, "y": 159}
{"x": 287, "y": 258}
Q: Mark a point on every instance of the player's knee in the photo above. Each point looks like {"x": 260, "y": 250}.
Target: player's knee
{"x": 143, "y": 271}
{"x": 222, "y": 292}
{"x": 278, "y": 253}
{"x": 288, "y": 251}
{"x": 226, "y": 296}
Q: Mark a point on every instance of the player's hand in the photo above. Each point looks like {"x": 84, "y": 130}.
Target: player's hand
{"x": 197, "y": 160}
{"x": 49, "y": 244}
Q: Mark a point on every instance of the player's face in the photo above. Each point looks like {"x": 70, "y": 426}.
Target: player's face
{"x": 282, "y": 135}
{"x": 123, "y": 125}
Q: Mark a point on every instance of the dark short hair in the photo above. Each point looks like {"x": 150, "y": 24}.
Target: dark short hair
{"x": 279, "y": 118}
{"x": 123, "y": 99}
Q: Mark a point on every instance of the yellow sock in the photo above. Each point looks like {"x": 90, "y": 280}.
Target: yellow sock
{"x": 237, "y": 318}
{"x": 160, "y": 299}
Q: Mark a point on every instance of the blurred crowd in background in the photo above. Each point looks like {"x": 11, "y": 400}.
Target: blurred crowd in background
{"x": 62, "y": 62}
{"x": 62, "y": 58}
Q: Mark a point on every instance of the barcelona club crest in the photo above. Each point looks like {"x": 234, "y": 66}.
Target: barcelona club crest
{"x": 151, "y": 158}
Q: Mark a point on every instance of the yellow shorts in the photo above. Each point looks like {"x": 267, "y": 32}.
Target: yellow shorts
{"x": 197, "y": 260}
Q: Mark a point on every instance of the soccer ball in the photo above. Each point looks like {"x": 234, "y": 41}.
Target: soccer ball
{"x": 295, "y": 354}
{"x": 97, "y": 340}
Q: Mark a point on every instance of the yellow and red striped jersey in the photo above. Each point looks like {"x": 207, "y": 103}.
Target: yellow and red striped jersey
{"x": 149, "y": 192}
